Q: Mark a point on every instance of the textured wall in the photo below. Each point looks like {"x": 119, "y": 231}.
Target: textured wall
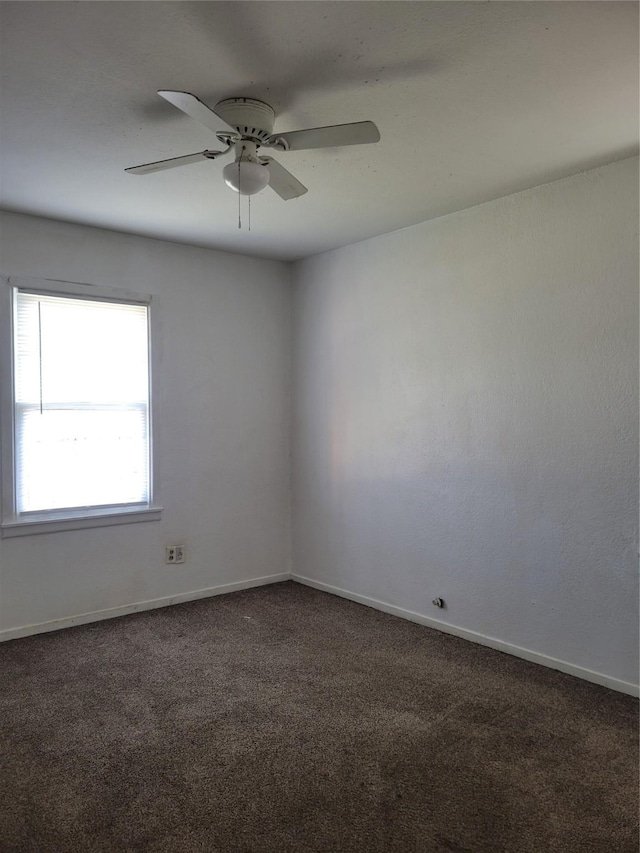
{"x": 465, "y": 419}
{"x": 223, "y": 426}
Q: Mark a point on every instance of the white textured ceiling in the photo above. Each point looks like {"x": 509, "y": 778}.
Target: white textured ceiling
{"x": 473, "y": 100}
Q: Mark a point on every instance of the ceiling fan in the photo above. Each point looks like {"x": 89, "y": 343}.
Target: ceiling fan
{"x": 247, "y": 127}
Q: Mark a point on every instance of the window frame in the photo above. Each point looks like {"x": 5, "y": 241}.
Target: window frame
{"x": 51, "y": 521}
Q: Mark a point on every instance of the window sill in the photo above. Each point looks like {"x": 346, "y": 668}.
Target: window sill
{"x": 96, "y": 518}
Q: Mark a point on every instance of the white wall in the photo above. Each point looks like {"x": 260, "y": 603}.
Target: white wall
{"x": 465, "y": 423}
{"x": 223, "y": 418}
{"x": 465, "y": 420}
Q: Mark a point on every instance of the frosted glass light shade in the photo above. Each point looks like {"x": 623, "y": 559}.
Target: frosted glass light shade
{"x": 246, "y": 177}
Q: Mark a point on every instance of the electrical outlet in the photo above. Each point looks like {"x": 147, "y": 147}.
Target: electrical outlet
{"x": 174, "y": 554}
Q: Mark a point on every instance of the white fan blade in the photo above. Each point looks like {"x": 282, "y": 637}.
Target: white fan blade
{"x": 282, "y": 181}
{"x": 357, "y": 133}
{"x": 159, "y": 165}
{"x": 196, "y": 109}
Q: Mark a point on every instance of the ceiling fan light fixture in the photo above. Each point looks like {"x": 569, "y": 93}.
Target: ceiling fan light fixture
{"x": 246, "y": 177}
{"x": 249, "y": 126}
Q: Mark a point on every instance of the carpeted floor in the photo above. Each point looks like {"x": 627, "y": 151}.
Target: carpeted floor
{"x": 284, "y": 719}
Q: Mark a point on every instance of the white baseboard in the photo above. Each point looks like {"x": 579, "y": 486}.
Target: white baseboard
{"x": 472, "y": 636}
{"x": 475, "y": 637}
{"x": 110, "y": 613}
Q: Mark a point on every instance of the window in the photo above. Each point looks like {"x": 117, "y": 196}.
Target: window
{"x": 79, "y": 425}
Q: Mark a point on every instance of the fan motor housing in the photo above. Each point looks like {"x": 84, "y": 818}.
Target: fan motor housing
{"x": 251, "y": 118}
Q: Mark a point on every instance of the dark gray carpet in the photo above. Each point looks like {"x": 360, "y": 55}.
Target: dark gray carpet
{"x": 284, "y": 719}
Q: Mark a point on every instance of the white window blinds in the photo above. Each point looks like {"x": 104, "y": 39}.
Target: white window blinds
{"x": 81, "y": 403}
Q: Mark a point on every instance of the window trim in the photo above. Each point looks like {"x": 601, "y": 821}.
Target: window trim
{"x": 52, "y": 521}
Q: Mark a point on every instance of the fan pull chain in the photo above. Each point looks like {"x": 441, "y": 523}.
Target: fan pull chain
{"x": 40, "y": 350}
{"x": 249, "y": 213}
{"x": 239, "y": 222}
